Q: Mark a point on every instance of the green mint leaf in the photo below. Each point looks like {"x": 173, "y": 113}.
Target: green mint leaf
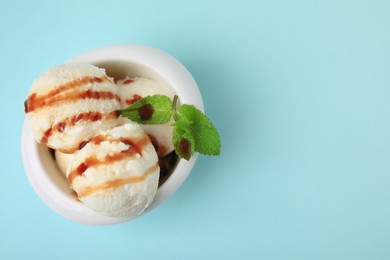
{"x": 192, "y": 130}
{"x": 203, "y": 132}
{"x": 182, "y": 139}
{"x": 150, "y": 110}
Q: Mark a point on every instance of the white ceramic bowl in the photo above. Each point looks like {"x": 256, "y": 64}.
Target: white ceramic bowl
{"x": 119, "y": 61}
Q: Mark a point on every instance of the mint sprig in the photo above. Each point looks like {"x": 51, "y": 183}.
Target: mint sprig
{"x": 192, "y": 130}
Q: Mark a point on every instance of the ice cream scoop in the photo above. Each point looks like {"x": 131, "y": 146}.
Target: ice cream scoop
{"x": 69, "y": 103}
{"x": 131, "y": 90}
{"x": 116, "y": 173}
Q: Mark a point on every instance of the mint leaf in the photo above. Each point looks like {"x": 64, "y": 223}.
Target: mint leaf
{"x": 150, "y": 110}
{"x": 182, "y": 139}
{"x": 204, "y": 133}
{"x": 192, "y": 130}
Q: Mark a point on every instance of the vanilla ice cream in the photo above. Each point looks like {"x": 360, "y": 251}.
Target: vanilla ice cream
{"x": 131, "y": 90}
{"x": 116, "y": 173}
{"x": 69, "y": 103}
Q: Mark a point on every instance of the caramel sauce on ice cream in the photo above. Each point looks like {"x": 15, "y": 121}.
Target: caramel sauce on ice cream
{"x": 71, "y": 121}
{"x": 68, "y": 104}
{"x": 116, "y": 183}
{"x": 135, "y": 147}
{"x": 114, "y": 170}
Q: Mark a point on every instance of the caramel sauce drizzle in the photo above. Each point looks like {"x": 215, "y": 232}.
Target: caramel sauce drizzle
{"x": 57, "y": 95}
{"x": 135, "y": 147}
{"x": 128, "y": 81}
{"x": 71, "y": 121}
{"x": 117, "y": 183}
{"x": 134, "y": 98}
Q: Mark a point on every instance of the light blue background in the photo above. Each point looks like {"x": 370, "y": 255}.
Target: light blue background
{"x": 300, "y": 92}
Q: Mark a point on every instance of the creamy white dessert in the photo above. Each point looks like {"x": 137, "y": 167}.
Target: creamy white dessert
{"x": 69, "y": 103}
{"x": 116, "y": 173}
{"x": 131, "y": 90}
{"x": 111, "y": 163}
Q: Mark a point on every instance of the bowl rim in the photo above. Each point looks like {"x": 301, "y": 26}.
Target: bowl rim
{"x": 32, "y": 153}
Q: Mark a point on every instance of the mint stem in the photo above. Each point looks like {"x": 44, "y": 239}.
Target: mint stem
{"x": 174, "y": 106}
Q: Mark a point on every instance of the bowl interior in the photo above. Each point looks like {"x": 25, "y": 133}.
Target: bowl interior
{"x": 120, "y": 69}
